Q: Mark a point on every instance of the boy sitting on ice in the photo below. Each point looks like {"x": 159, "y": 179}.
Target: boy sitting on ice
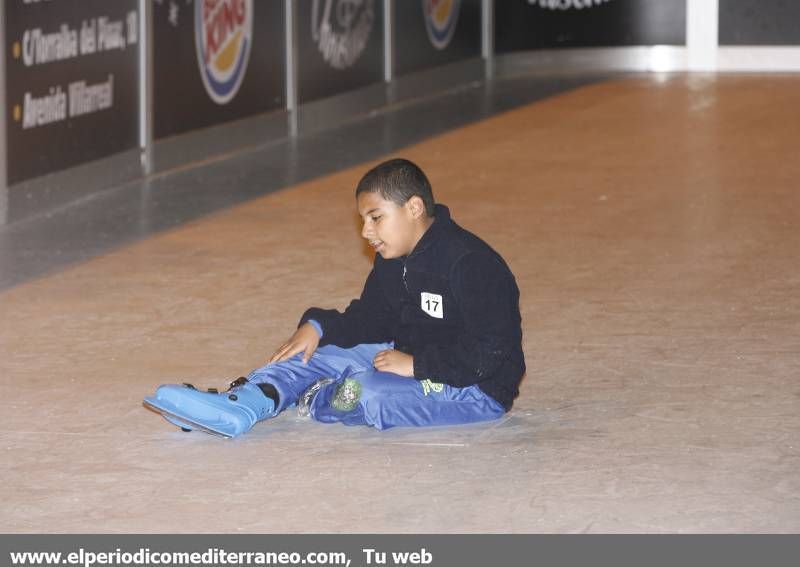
{"x": 434, "y": 339}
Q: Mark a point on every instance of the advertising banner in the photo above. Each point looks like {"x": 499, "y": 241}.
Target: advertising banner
{"x": 340, "y": 46}
{"x": 429, "y": 33}
{"x": 71, "y": 83}
{"x": 759, "y": 22}
{"x": 215, "y": 61}
{"x": 542, "y": 24}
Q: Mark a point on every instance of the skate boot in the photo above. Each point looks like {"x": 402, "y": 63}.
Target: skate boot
{"x": 226, "y": 414}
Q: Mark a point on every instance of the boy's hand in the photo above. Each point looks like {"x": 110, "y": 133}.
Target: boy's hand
{"x": 394, "y": 361}
{"x": 305, "y": 340}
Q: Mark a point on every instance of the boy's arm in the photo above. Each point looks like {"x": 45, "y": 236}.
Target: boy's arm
{"x": 366, "y": 320}
{"x": 488, "y": 299}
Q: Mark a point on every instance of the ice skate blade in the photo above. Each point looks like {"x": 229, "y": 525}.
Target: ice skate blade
{"x": 180, "y": 419}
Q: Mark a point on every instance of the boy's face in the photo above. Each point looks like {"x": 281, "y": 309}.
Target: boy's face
{"x": 391, "y": 229}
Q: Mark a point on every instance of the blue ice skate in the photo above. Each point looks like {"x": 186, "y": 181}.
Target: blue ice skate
{"x": 226, "y": 414}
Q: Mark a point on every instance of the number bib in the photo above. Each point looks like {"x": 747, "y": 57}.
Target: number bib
{"x": 431, "y": 304}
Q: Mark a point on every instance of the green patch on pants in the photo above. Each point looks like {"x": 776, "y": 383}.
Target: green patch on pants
{"x": 347, "y": 395}
{"x": 428, "y": 386}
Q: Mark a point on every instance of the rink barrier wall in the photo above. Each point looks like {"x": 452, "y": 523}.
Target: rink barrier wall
{"x": 701, "y": 52}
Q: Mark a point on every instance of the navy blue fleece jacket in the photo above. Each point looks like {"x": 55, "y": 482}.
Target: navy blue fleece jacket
{"x": 452, "y": 303}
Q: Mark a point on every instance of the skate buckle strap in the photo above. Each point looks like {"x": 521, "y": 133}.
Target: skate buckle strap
{"x": 240, "y": 381}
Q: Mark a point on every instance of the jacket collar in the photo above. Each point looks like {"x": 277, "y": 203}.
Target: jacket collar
{"x": 441, "y": 221}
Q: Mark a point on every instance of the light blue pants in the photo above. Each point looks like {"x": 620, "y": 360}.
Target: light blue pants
{"x": 361, "y": 395}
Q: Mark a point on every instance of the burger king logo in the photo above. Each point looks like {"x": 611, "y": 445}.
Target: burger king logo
{"x": 441, "y": 17}
{"x": 223, "y": 35}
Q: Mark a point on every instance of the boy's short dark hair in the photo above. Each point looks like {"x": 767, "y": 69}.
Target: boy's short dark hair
{"x": 398, "y": 180}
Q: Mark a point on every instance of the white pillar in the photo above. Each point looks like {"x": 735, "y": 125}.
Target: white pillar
{"x": 290, "y": 26}
{"x": 388, "y": 40}
{"x": 702, "y": 34}
{"x": 146, "y": 106}
{"x": 487, "y": 35}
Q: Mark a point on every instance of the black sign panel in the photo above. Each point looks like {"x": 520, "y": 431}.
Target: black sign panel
{"x": 429, "y": 33}
{"x": 536, "y": 24}
{"x": 71, "y": 83}
{"x": 340, "y": 46}
{"x": 215, "y": 61}
{"x": 759, "y": 22}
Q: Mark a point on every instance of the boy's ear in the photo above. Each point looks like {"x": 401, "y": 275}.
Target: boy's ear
{"x": 416, "y": 207}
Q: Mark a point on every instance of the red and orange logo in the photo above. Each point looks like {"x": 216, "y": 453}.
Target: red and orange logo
{"x": 223, "y": 36}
